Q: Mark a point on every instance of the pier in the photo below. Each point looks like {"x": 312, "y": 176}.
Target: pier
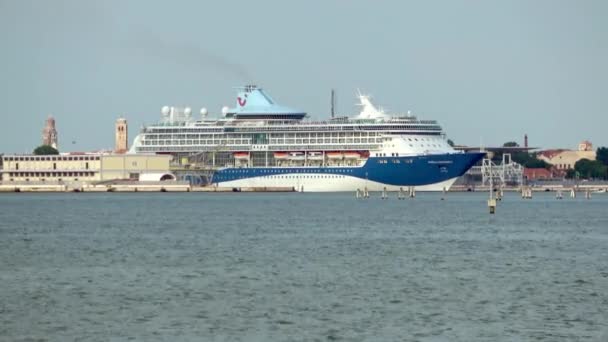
{"x": 122, "y": 187}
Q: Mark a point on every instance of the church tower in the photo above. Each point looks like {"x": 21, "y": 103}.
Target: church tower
{"x": 121, "y": 143}
{"x": 49, "y": 133}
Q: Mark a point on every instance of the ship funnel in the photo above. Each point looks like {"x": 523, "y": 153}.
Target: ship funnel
{"x": 251, "y": 95}
{"x": 254, "y": 103}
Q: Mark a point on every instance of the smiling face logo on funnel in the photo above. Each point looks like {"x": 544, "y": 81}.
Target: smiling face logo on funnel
{"x": 242, "y": 101}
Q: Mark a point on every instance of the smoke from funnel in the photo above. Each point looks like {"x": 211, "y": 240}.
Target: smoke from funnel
{"x": 191, "y": 56}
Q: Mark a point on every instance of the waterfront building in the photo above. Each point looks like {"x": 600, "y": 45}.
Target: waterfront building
{"x": 83, "y": 167}
{"x": 121, "y": 136}
{"x": 537, "y": 173}
{"x": 562, "y": 159}
{"x": 49, "y": 133}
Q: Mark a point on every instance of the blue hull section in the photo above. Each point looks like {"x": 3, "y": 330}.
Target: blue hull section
{"x": 399, "y": 171}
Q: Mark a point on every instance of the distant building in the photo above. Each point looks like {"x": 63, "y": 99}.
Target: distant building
{"x": 585, "y": 146}
{"x": 121, "y": 136}
{"x": 565, "y": 159}
{"x": 537, "y": 173}
{"x": 49, "y": 133}
{"x": 83, "y": 167}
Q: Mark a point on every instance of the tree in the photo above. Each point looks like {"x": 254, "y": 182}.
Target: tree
{"x": 450, "y": 142}
{"x": 602, "y": 155}
{"x": 590, "y": 169}
{"x": 529, "y": 160}
{"x": 570, "y": 174}
{"x": 510, "y": 144}
{"x": 43, "y": 150}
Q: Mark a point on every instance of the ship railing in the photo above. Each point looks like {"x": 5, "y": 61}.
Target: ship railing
{"x": 232, "y": 148}
{"x": 405, "y": 128}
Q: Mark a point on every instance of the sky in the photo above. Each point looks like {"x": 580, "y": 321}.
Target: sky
{"x": 488, "y": 71}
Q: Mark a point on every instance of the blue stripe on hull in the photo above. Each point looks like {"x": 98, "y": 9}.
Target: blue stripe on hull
{"x": 399, "y": 171}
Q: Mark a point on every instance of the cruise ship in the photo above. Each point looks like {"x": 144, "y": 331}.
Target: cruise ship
{"x": 260, "y": 143}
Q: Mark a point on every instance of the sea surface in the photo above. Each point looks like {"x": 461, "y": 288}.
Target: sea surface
{"x": 302, "y": 267}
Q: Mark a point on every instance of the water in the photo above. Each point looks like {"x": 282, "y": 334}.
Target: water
{"x": 302, "y": 267}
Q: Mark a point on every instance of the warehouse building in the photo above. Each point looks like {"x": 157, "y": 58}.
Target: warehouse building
{"x": 85, "y": 167}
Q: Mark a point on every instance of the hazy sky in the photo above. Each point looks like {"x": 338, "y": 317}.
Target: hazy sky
{"x": 486, "y": 70}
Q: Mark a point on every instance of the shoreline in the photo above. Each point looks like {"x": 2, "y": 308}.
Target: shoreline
{"x": 185, "y": 187}
{"x": 121, "y": 188}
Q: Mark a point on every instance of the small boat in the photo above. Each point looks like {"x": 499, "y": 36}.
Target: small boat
{"x": 241, "y": 155}
{"x": 351, "y": 155}
{"x": 280, "y": 155}
{"x": 334, "y": 155}
{"x": 296, "y": 155}
{"x": 315, "y": 156}
{"x": 600, "y": 191}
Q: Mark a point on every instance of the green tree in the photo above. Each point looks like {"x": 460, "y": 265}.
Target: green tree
{"x": 570, "y": 174}
{"x": 529, "y": 160}
{"x": 602, "y": 155}
{"x": 43, "y": 150}
{"x": 451, "y": 142}
{"x": 510, "y": 144}
{"x": 590, "y": 169}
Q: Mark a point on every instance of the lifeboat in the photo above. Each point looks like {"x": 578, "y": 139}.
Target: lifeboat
{"x": 315, "y": 156}
{"x": 241, "y": 155}
{"x": 296, "y": 155}
{"x": 352, "y": 155}
{"x": 280, "y": 155}
{"x": 334, "y": 155}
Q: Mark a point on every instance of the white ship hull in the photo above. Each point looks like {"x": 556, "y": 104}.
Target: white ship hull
{"x": 316, "y": 183}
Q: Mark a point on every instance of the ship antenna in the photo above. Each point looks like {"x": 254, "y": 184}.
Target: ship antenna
{"x": 333, "y": 103}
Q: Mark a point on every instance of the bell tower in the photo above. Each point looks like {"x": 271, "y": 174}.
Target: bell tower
{"x": 49, "y": 133}
{"x": 121, "y": 136}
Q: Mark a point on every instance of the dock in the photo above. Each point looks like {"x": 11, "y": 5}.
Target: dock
{"x": 131, "y": 187}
